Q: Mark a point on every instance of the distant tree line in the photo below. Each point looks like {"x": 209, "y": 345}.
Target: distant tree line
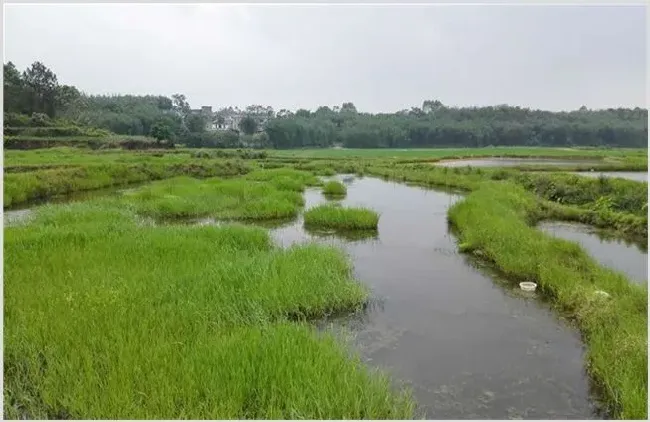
{"x": 435, "y": 125}
{"x": 36, "y": 90}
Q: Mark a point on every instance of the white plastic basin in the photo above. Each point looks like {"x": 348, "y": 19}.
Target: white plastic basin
{"x": 528, "y": 286}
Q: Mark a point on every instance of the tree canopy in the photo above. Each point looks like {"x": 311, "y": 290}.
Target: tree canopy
{"x": 37, "y": 90}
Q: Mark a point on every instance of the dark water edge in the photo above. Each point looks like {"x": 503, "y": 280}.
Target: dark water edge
{"x": 617, "y": 254}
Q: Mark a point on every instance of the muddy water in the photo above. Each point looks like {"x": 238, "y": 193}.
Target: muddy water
{"x": 514, "y": 162}
{"x": 638, "y": 176}
{"x": 469, "y": 347}
{"x": 616, "y": 254}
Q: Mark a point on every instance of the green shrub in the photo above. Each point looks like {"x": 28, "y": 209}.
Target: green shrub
{"x": 337, "y": 217}
{"x": 334, "y": 188}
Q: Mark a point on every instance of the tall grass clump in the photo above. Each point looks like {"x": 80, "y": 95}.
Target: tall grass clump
{"x": 109, "y": 319}
{"x": 236, "y": 199}
{"x": 494, "y": 220}
{"x": 334, "y": 188}
{"x": 44, "y": 184}
{"x": 284, "y": 178}
{"x": 344, "y": 218}
{"x": 623, "y": 195}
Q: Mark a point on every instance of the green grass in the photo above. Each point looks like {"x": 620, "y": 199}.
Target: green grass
{"x": 235, "y": 199}
{"x": 42, "y": 184}
{"x": 285, "y": 178}
{"x": 495, "y": 219}
{"x": 124, "y": 321}
{"x": 334, "y": 188}
{"x": 344, "y": 218}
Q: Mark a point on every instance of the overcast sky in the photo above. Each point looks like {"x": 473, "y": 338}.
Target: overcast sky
{"x": 382, "y": 58}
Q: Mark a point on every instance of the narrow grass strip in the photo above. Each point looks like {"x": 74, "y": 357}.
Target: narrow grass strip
{"x": 493, "y": 220}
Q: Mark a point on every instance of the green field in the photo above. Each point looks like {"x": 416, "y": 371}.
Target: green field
{"x": 116, "y": 307}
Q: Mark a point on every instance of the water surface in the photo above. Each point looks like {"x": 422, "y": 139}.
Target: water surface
{"x": 616, "y": 254}
{"x": 468, "y": 346}
{"x": 638, "y": 176}
{"x": 515, "y": 162}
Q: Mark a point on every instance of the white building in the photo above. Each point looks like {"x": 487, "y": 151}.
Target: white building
{"x": 228, "y": 119}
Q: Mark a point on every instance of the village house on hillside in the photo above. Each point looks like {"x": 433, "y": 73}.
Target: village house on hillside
{"x": 229, "y": 118}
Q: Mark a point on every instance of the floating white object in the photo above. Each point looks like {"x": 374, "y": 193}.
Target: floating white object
{"x": 528, "y": 286}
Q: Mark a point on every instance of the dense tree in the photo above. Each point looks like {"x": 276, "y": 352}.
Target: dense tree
{"x": 435, "y": 125}
{"x": 248, "y": 125}
{"x": 14, "y": 91}
{"x": 42, "y": 86}
{"x": 66, "y": 96}
{"x": 348, "y": 108}
{"x": 196, "y": 123}
{"x": 162, "y": 130}
{"x": 180, "y": 105}
{"x": 36, "y": 94}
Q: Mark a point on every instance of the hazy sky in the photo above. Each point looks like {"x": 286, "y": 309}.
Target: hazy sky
{"x": 382, "y": 58}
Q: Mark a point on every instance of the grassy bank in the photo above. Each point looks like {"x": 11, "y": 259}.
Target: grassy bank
{"x": 285, "y": 178}
{"x": 342, "y": 218}
{"x": 237, "y": 199}
{"x": 124, "y": 321}
{"x": 42, "y": 184}
{"x": 493, "y": 222}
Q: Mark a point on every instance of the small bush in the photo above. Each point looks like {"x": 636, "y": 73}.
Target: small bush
{"x": 336, "y": 217}
{"x": 334, "y": 188}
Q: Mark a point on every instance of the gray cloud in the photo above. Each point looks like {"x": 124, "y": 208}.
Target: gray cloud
{"x": 383, "y": 58}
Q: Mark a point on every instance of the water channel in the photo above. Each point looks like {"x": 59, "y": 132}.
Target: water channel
{"x": 626, "y": 257}
{"x": 639, "y": 176}
{"x": 469, "y": 345}
{"x": 515, "y": 162}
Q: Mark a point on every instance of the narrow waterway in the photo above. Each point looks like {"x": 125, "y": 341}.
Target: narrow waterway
{"x": 467, "y": 344}
{"x": 515, "y": 162}
{"x": 637, "y": 176}
{"x": 616, "y": 254}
